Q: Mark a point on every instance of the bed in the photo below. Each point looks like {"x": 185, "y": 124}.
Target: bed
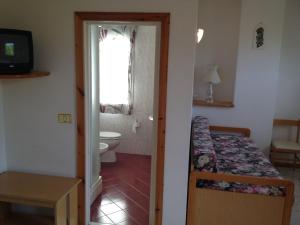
{"x": 231, "y": 181}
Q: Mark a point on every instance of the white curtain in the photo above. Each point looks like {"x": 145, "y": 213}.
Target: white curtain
{"x": 116, "y": 47}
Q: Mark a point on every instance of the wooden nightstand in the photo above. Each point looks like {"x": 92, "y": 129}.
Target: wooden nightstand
{"x": 58, "y": 193}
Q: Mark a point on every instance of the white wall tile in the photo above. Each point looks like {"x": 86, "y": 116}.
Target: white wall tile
{"x": 144, "y": 67}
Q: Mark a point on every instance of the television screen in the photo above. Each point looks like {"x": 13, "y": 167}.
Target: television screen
{"x": 15, "y": 51}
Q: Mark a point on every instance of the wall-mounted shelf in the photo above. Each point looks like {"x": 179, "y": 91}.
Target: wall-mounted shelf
{"x": 223, "y": 104}
{"x": 32, "y": 74}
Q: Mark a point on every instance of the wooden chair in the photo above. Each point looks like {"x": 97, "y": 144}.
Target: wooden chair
{"x": 286, "y": 146}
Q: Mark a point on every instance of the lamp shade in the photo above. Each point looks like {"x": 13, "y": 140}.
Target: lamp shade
{"x": 200, "y": 34}
{"x": 212, "y": 76}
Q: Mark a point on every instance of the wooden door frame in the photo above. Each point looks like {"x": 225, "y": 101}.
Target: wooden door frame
{"x": 164, "y": 19}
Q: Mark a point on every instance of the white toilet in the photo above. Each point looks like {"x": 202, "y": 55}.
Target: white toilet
{"x": 113, "y": 140}
{"x": 103, "y": 147}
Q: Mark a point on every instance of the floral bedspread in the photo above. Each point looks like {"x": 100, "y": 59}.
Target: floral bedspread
{"x": 204, "y": 155}
{"x": 239, "y": 155}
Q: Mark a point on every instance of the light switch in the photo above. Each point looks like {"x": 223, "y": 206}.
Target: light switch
{"x": 64, "y": 118}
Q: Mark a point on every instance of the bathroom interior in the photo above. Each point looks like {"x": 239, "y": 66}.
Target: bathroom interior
{"x": 123, "y": 163}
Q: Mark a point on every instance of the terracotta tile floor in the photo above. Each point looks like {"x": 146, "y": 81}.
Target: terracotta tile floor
{"x": 126, "y": 190}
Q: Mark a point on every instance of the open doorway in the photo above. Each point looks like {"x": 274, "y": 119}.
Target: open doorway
{"x": 126, "y": 68}
{"x": 122, "y": 160}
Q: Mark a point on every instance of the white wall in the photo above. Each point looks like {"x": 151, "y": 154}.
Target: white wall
{"x": 2, "y": 133}
{"x": 257, "y": 73}
{"x": 143, "y": 71}
{"x": 287, "y": 105}
{"x": 219, "y": 45}
{"x": 35, "y": 142}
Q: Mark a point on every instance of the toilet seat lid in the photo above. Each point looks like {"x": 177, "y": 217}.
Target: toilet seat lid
{"x": 108, "y": 134}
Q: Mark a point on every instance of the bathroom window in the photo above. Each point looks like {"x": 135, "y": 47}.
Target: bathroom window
{"x": 116, "y": 48}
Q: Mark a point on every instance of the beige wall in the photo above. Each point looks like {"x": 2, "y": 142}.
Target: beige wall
{"x": 257, "y": 73}
{"x": 287, "y": 104}
{"x": 36, "y": 143}
{"x": 221, "y": 23}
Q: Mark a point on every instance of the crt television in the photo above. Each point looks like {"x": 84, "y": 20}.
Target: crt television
{"x": 16, "y": 51}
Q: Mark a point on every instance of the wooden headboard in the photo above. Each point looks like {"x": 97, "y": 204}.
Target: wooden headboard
{"x": 245, "y": 131}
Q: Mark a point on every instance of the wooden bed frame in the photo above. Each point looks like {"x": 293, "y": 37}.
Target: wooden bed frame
{"x": 214, "y": 207}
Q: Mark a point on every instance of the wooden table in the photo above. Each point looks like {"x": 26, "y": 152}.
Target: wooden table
{"x": 59, "y": 193}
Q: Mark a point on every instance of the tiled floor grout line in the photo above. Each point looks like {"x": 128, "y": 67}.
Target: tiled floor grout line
{"x": 130, "y": 197}
{"x": 107, "y": 215}
{"x": 133, "y": 187}
{"x": 137, "y": 204}
{"x": 128, "y": 183}
{"x": 124, "y": 210}
{"x": 142, "y": 181}
{"x": 137, "y": 178}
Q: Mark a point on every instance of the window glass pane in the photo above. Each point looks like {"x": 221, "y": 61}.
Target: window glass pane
{"x": 114, "y": 63}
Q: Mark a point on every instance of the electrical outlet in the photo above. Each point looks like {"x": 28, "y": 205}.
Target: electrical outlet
{"x": 64, "y": 118}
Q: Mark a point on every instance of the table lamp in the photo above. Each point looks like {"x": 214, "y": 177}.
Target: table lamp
{"x": 211, "y": 77}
